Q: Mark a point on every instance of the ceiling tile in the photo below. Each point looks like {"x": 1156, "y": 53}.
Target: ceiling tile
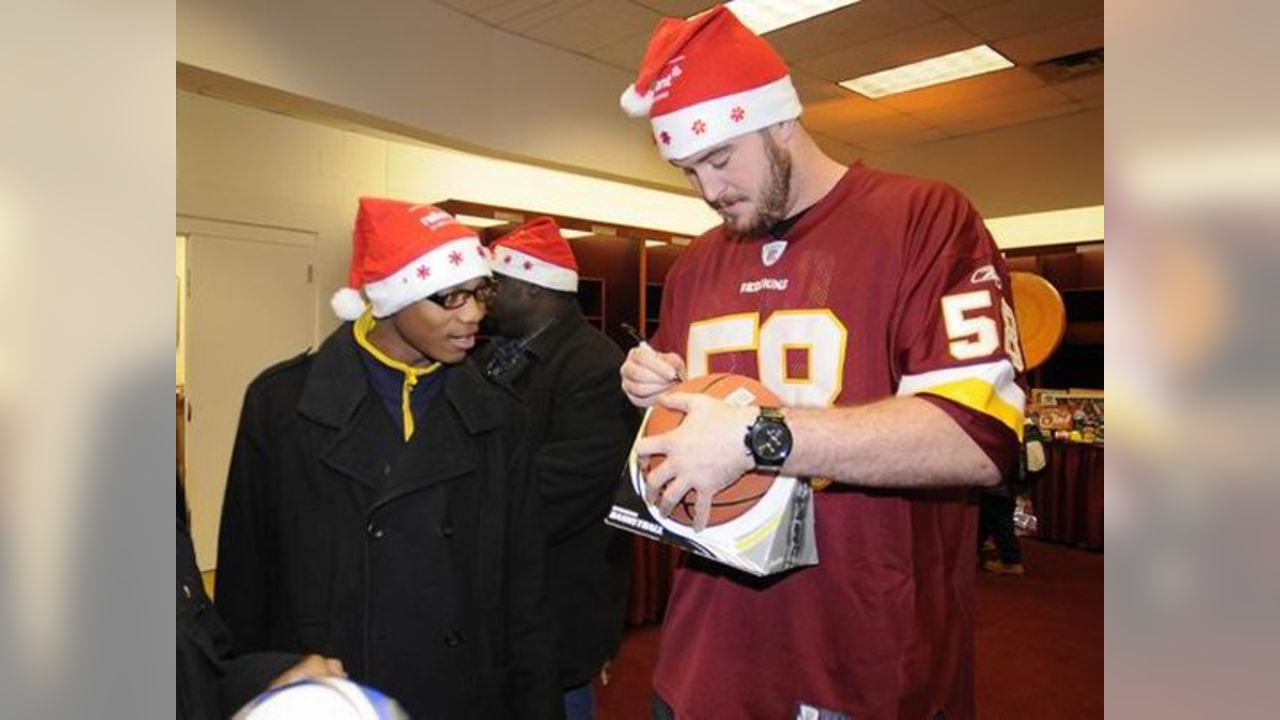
{"x": 839, "y": 151}
{"x": 1020, "y": 17}
{"x": 1085, "y": 88}
{"x": 858, "y": 23}
{"x": 956, "y": 7}
{"x": 506, "y": 11}
{"x": 595, "y": 25}
{"x": 548, "y": 12}
{"x": 833, "y": 115}
{"x": 1055, "y": 42}
{"x": 967, "y": 90}
{"x": 471, "y": 7}
{"x": 919, "y": 43}
{"x": 676, "y": 8}
{"x": 627, "y": 53}
{"x": 886, "y": 134}
{"x": 813, "y": 89}
{"x": 1005, "y": 104}
{"x": 1007, "y": 120}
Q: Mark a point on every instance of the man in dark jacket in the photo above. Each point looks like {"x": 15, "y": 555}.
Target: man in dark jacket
{"x": 212, "y": 682}
{"x": 379, "y": 506}
{"x": 582, "y": 427}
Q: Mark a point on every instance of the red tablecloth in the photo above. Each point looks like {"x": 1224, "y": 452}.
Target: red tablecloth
{"x": 1067, "y": 495}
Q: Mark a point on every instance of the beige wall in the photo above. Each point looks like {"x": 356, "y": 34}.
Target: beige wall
{"x": 180, "y": 279}
{"x": 427, "y": 66}
{"x": 243, "y": 165}
{"x": 1048, "y": 165}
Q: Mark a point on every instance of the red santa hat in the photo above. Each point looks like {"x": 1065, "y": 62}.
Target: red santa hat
{"x": 707, "y": 80}
{"x": 402, "y": 253}
{"x": 536, "y": 253}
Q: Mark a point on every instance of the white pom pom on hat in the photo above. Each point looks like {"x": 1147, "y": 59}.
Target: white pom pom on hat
{"x": 635, "y": 104}
{"x": 347, "y": 304}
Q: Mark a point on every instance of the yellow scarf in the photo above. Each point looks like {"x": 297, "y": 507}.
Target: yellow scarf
{"x": 412, "y": 374}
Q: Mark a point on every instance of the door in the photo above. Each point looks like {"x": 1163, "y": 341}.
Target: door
{"x": 250, "y": 303}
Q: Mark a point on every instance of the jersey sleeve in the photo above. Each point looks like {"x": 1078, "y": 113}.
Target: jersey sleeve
{"x": 957, "y": 343}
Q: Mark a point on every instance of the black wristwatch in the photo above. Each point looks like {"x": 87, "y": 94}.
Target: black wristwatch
{"x": 768, "y": 439}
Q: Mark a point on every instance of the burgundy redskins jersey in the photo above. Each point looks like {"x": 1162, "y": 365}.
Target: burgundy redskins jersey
{"x": 887, "y": 286}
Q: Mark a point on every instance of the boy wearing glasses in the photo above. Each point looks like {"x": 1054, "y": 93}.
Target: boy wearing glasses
{"x": 379, "y": 507}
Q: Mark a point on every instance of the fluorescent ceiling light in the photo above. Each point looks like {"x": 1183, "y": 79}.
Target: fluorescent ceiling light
{"x": 654, "y": 243}
{"x": 934, "y": 71}
{"x": 570, "y": 233}
{"x": 479, "y": 222}
{"x": 764, "y": 16}
{"x": 1053, "y": 227}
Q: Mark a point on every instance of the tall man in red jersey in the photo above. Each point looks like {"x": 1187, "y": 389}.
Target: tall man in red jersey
{"x": 878, "y": 308}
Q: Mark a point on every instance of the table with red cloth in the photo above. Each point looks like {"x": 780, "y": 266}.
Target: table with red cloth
{"x": 1067, "y": 494}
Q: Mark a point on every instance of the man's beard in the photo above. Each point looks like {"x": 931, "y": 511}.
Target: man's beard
{"x": 773, "y": 199}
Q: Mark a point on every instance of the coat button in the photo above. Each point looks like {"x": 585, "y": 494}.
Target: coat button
{"x": 452, "y": 639}
{"x": 374, "y": 531}
{"x": 446, "y": 530}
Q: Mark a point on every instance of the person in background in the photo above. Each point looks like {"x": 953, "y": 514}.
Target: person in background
{"x": 581, "y": 428}
{"x": 997, "y": 531}
{"x": 380, "y": 506}
{"x": 877, "y": 307}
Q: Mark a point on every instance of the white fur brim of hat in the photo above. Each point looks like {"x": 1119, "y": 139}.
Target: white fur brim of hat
{"x": 523, "y": 266}
{"x": 450, "y": 264}
{"x": 692, "y": 129}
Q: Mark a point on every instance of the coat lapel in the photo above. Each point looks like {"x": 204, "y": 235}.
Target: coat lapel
{"x": 336, "y": 395}
{"x": 443, "y": 446}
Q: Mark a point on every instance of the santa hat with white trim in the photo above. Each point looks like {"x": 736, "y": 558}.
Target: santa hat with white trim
{"x": 706, "y": 80}
{"x": 401, "y": 253}
{"x": 537, "y": 253}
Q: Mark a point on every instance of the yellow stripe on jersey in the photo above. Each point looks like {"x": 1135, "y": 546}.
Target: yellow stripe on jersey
{"x": 989, "y": 388}
{"x": 981, "y": 396}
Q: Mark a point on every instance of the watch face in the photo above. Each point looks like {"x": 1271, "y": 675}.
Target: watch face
{"x": 771, "y": 443}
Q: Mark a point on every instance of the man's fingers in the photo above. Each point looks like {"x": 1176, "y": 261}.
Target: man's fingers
{"x": 671, "y": 495}
{"x": 676, "y": 401}
{"x": 702, "y": 510}
{"x": 665, "y": 367}
{"x": 658, "y": 477}
{"x": 655, "y": 445}
{"x": 677, "y": 362}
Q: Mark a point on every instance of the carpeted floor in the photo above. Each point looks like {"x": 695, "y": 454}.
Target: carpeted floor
{"x": 1039, "y": 640}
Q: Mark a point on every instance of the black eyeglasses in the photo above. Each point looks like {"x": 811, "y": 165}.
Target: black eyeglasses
{"x": 457, "y": 297}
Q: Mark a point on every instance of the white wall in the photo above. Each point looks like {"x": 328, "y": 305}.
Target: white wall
{"x": 243, "y": 165}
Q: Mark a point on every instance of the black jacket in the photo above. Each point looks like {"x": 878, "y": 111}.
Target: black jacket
{"x": 420, "y": 565}
{"x": 212, "y": 684}
{"x": 581, "y": 431}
